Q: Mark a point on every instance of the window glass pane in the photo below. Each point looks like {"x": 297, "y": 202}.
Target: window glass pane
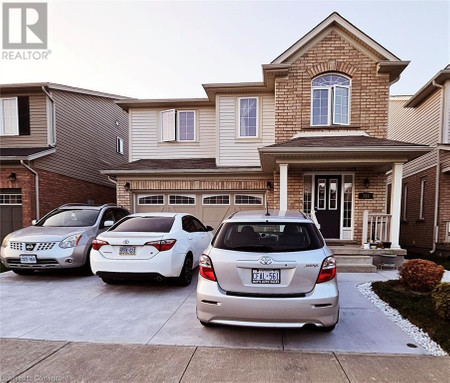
{"x": 348, "y": 196}
{"x": 268, "y": 237}
{"x": 216, "y": 200}
{"x": 320, "y": 107}
{"x": 248, "y": 117}
{"x": 341, "y": 105}
{"x": 321, "y": 192}
{"x": 242, "y": 199}
{"x": 181, "y": 200}
{"x": 186, "y": 126}
{"x": 307, "y": 194}
{"x": 10, "y": 199}
{"x": 330, "y": 80}
{"x": 144, "y": 225}
{"x": 332, "y": 194}
{"x": 151, "y": 200}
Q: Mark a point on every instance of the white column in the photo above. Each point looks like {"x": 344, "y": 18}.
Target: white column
{"x": 396, "y": 204}
{"x": 283, "y": 186}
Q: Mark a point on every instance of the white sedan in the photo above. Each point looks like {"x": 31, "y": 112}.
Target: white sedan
{"x": 150, "y": 246}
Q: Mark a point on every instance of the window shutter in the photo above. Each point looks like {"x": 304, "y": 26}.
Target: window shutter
{"x": 9, "y": 120}
{"x": 168, "y": 125}
{"x": 24, "y": 115}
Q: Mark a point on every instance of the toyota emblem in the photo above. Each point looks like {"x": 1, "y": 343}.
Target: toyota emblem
{"x": 126, "y": 242}
{"x": 265, "y": 260}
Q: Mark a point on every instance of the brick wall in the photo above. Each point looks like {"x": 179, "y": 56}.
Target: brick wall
{"x": 369, "y": 91}
{"x": 444, "y": 202}
{"x": 416, "y": 235}
{"x": 55, "y": 190}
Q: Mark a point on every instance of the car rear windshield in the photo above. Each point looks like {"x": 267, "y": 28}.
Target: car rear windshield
{"x": 69, "y": 218}
{"x": 268, "y": 237}
{"x": 144, "y": 225}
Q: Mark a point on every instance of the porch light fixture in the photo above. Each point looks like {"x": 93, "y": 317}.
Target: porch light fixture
{"x": 127, "y": 186}
{"x": 366, "y": 183}
{"x": 12, "y": 177}
{"x": 269, "y": 185}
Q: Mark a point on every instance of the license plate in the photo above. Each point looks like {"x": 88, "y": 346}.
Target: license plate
{"x": 266, "y": 276}
{"x": 127, "y": 250}
{"x": 28, "y": 259}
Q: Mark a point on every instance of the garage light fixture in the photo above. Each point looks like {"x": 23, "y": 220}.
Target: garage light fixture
{"x": 127, "y": 186}
{"x": 12, "y": 177}
{"x": 269, "y": 185}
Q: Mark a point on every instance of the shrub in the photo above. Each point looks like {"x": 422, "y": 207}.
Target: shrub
{"x": 441, "y": 300}
{"x": 421, "y": 275}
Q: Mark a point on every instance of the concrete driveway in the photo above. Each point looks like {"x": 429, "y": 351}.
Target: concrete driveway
{"x": 71, "y": 307}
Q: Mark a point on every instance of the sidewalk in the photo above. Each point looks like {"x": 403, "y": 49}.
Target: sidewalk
{"x": 48, "y": 361}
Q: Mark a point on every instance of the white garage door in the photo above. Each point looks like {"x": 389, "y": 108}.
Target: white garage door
{"x": 211, "y": 208}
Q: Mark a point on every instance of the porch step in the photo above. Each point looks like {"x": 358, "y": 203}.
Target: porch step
{"x": 355, "y": 264}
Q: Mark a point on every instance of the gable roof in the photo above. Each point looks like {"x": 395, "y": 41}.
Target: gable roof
{"x": 423, "y": 93}
{"x": 335, "y": 20}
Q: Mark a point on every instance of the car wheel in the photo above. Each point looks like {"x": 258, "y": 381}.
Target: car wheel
{"x": 185, "y": 277}
{"x": 23, "y": 272}
{"x": 206, "y": 324}
{"x": 86, "y": 268}
{"x": 327, "y": 329}
{"x": 110, "y": 281}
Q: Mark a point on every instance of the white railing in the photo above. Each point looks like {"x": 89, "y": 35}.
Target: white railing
{"x": 376, "y": 227}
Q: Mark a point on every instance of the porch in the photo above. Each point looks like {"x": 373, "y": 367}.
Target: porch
{"x": 340, "y": 181}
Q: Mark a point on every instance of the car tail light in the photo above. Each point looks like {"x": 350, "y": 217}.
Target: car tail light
{"x": 162, "y": 245}
{"x": 206, "y": 268}
{"x": 98, "y": 243}
{"x": 328, "y": 270}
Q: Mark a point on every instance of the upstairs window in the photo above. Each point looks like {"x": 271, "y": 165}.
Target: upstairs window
{"x": 248, "y": 117}
{"x": 186, "y": 125}
{"x": 14, "y": 116}
{"x": 119, "y": 145}
{"x": 330, "y": 100}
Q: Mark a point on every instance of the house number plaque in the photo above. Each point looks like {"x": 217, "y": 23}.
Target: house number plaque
{"x": 365, "y": 195}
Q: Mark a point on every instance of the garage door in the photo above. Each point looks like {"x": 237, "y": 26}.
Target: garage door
{"x": 211, "y": 208}
{"x": 10, "y": 211}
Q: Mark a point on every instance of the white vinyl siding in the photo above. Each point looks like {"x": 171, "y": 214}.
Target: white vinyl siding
{"x": 234, "y": 151}
{"x": 168, "y": 125}
{"x": 9, "y": 117}
{"x": 146, "y": 142}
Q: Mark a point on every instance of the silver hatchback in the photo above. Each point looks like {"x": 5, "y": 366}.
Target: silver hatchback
{"x": 268, "y": 271}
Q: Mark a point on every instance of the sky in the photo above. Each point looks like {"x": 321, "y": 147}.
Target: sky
{"x": 167, "y": 49}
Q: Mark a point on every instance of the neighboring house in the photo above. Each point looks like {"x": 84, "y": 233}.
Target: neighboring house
{"x": 425, "y": 119}
{"x": 54, "y": 140}
{"x": 312, "y": 136}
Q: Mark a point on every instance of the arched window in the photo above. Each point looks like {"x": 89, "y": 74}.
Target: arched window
{"x": 330, "y": 100}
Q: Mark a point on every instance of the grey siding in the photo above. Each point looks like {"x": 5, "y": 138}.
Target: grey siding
{"x": 86, "y": 137}
{"x": 38, "y": 125}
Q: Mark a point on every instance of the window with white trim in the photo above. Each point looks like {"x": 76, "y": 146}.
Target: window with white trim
{"x": 10, "y": 199}
{"x": 321, "y": 193}
{"x": 168, "y": 125}
{"x": 248, "y": 199}
{"x": 186, "y": 125}
{"x": 405, "y": 203}
{"x": 9, "y": 117}
{"x": 178, "y": 199}
{"x": 422, "y": 198}
{"x": 248, "y": 117}
{"x": 330, "y": 100}
{"x": 348, "y": 200}
{"x": 119, "y": 145}
{"x": 332, "y": 194}
{"x": 156, "y": 199}
{"x": 307, "y": 194}
{"x": 216, "y": 199}
{"x": 447, "y": 235}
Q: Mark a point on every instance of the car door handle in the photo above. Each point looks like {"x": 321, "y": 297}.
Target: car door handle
{"x": 190, "y": 238}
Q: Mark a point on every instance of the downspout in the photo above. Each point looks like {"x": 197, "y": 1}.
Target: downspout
{"x": 438, "y": 172}
{"x": 53, "y": 129}
{"x": 36, "y": 180}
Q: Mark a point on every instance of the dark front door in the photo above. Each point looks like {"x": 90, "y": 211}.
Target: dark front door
{"x": 328, "y": 204}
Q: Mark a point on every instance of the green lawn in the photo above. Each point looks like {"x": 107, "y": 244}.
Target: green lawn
{"x": 417, "y": 308}
{"x": 444, "y": 261}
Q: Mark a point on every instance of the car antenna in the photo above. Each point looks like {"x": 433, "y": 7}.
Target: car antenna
{"x": 267, "y": 208}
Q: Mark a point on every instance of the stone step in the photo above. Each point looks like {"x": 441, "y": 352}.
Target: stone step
{"x": 353, "y": 259}
{"x": 356, "y": 268}
{"x": 345, "y": 250}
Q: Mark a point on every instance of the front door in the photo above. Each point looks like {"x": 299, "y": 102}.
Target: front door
{"x": 328, "y": 204}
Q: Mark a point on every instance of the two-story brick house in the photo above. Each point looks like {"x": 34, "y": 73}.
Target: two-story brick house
{"x": 424, "y": 118}
{"x": 311, "y": 136}
{"x": 54, "y": 140}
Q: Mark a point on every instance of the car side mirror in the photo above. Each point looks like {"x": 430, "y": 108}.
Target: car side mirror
{"x": 209, "y": 228}
{"x": 34, "y": 222}
{"x": 108, "y": 223}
